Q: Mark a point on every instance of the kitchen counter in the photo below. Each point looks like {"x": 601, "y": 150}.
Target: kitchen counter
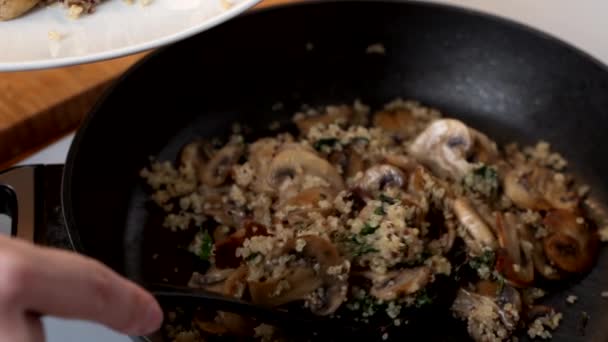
{"x": 581, "y": 23}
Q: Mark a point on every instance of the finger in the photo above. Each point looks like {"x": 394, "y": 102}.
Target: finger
{"x": 19, "y": 327}
{"x": 68, "y": 285}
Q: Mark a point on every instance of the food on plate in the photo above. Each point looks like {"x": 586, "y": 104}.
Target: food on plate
{"x": 369, "y": 215}
{"x": 10, "y": 9}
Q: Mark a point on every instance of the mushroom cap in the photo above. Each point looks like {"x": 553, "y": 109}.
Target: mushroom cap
{"x": 444, "y": 146}
{"x": 296, "y": 162}
{"x": 571, "y": 245}
{"x": 220, "y": 165}
{"x": 379, "y": 177}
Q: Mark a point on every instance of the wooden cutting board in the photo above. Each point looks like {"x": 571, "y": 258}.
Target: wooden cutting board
{"x": 38, "y": 107}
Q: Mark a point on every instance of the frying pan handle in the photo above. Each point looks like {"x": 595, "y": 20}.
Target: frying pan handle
{"x": 31, "y": 197}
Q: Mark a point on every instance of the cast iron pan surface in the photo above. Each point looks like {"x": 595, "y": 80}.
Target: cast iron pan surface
{"x": 509, "y": 81}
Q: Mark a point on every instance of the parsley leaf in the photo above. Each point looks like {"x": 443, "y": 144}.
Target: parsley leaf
{"x": 206, "y": 246}
{"x": 483, "y": 180}
{"x": 488, "y": 258}
{"x": 368, "y": 229}
{"x": 380, "y": 211}
{"x": 423, "y": 299}
{"x": 387, "y": 199}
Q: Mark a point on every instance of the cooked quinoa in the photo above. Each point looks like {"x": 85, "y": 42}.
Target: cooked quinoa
{"x": 361, "y": 213}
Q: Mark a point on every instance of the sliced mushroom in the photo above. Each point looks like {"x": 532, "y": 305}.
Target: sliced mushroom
{"x": 401, "y": 161}
{"x": 571, "y": 245}
{"x": 295, "y": 286}
{"x": 396, "y": 284}
{"x": 536, "y": 188}
{"x": 261, "y": 153}
{"x": 400, "y": 122}
{"x": 542, "y": 265}
{"x": 349, "y": 160}
{"x": 302, "y": 280}
{"x": 481, "y": 313}
{"x": 219, "y": 167}
{"x": 307, "y": 201}
{"x": 194, "y": 155}
{"x": 379, "y": 177}
{"x": 212, "y": 280}
{"x": 515, "y": 257}
{"x": 333, "y": 115}
{"x": 237, "y": 325}
{"x": 297, "y": 162}
{"x": 479, "y": 236}
{"x": 446, "y": 145}
{"x": 225, "y": 250}
{"x": 236, "y": 283}
{"x": 228, "y": 214}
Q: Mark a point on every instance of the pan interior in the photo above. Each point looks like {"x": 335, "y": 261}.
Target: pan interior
{"x": 509, "y": 82}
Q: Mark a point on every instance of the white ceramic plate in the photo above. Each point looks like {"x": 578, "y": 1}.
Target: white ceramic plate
{"x": 115, "y": 29}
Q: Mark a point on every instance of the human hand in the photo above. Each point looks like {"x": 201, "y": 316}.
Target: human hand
{"x": 36, "y": 281}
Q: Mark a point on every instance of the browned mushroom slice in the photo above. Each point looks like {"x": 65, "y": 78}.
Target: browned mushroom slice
{"x": 211, "y": 327}
{"x": 295, "y": 163}
{"x": 481, "y": 313}
{"x": 225, "y": 250}
{"x": 194, "y": 155}
{"x": 303, "y": 280}
{"x": 228, "y": 214}
{"x": 334, "y": 115}
{"x": 542, "y": 265}
{"x": 514, "y": 258}
{"x": 378, "y": 178}
{"x": 261, "y": 153}
{"x": 307, "y": 201}
{"x": 310, "y": 198}
{"x": 236, "y": 283}
{"x": 349, "y": 160}
{"x": 236, "y": 324}
{"x": 400, "y": 283}
{"x": 219, "y": 167}
{"x": 399, "y": 122}
{"x": 536, "y": 188}
{"x": 212, "y": 280}
{"x": 477, "y": 235}
{"x": 571, "y": 245}
{"x": 297, "y": 285}
{"x": 401, "y": 161}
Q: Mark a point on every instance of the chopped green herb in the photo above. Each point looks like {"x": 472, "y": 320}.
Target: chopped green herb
{"x": 488, "y": 258}
{"x": 387, "y": 199}
{"x": 483, "y": 180}
{"x": 368, "y": 229}
{"x": 206, "y": 246}
{"x": 355, "y": 246}
{"x": 380, "y": 211}
{"x": 329, "y": 142}
{"x": 423, "y": 298}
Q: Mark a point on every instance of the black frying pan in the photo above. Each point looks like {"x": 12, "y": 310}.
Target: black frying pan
{"x": 507, "y": 80}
